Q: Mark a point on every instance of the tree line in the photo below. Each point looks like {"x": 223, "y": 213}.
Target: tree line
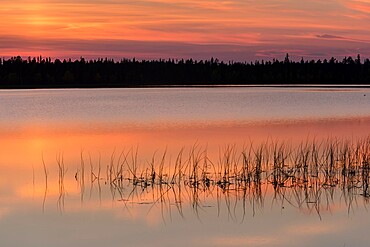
{"x": 39, "y": 72}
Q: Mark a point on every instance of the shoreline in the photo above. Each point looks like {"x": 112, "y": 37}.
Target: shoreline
{"x": 329, "y": 86}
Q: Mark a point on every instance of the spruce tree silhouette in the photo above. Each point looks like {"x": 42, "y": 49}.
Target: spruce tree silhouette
{"x": 40, "y": 72}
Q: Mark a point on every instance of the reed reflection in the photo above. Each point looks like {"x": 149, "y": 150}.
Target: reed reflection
{"x": 311, "y": 177}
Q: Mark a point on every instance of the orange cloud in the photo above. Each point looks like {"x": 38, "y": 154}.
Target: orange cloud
{"x": 53, "y": 25}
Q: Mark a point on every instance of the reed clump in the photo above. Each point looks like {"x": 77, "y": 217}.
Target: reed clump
{"x": 299, "y": 174}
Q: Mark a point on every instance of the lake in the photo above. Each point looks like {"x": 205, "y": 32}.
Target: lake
{"x": 227, "y": 166}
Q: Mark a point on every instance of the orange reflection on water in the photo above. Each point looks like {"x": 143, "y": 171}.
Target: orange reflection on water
{"x": 21, "y": 148}
{"x": 24, "y": 152}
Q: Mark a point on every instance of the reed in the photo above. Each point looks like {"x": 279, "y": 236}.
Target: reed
{"x": 301, "y": 175}
{"x": 62, "y": 170}
{"x": 46, "y": 183}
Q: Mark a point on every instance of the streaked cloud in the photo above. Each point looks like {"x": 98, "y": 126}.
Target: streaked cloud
{"x": 328, "y": 36}
{"x": 217, "y": 26}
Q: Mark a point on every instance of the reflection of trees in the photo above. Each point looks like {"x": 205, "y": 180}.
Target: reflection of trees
{"x": 308, "y": 176}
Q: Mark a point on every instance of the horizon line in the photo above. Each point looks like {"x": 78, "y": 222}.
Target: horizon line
{"x": 177, "y": 60}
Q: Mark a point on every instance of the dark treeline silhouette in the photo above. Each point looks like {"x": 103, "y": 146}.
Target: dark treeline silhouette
{"x": 41, "y": 72}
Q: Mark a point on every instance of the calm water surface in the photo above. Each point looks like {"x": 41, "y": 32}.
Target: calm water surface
{"x": 67, "y": 160}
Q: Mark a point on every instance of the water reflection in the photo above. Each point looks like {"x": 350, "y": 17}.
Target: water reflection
{"x": 111, "y": 166}
{"x": 312, "y": 177}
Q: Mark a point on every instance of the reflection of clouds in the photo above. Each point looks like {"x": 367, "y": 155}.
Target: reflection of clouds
{"x": 26, "y": 191}
{"x": 245, "y": 241}
{"x": 4, "y": 212}
{"x": 307, "y": 229}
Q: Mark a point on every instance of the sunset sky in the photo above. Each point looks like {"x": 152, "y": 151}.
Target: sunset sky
{"x": 239, "y": 30}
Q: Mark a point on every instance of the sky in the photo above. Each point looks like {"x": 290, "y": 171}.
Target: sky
{"x": 230, "y": 30}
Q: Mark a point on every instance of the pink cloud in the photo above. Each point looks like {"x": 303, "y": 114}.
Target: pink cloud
{"x": 234, "y": 29}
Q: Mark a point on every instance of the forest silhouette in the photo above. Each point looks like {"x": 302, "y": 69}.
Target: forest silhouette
{"x": 39, "y": 72}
